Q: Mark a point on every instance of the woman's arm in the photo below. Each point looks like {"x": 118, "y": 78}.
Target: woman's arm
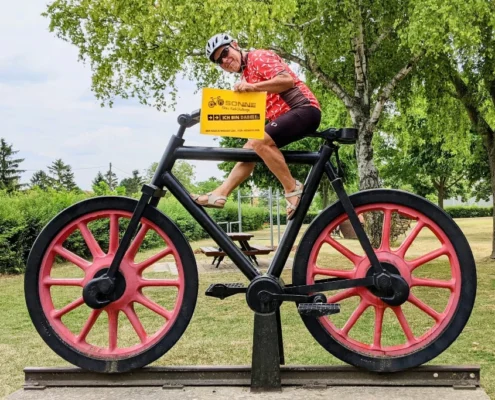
{"x": 277, "y": 84}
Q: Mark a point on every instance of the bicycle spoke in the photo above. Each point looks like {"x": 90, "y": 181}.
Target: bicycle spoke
{"x": 113, "y": 243}
{"x": 62, "y": 282}
{"x": 150, "y": 261}
{"x": 354, "y": 258}
{"x": 90, "y": 240}
{"x": 427, "y": 258}
{"x": 71, "y": 257}
{"x": 153, "y": 306}
{"x": 406, "y": 244}
{"x": 113, "y": 326}
{"x": 88, "y": 325}
{"x": 434, "y": 283}
{"x": 345, "y": 294}
{"x": 386, "y": 228}
{"x": 136, "y": 323}
{"x": 377, "y": 334}
{"x": 425, "y": 308}
{"x": 338, "y": 273}
{"x": 404, "y": 325}
{"x": 354, "y": 317}
{"x": 68, "y": 308}
{"x": 158, "y": 282}
{"x": 138, "y": 240}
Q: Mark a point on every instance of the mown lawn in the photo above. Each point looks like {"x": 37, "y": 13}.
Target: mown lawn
{"x": 221, "y": 331}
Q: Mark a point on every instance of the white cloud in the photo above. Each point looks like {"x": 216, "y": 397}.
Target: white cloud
{"x": 47, "y": 110}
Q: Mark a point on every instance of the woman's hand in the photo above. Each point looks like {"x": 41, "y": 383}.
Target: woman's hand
{"x": 244, "y": 86}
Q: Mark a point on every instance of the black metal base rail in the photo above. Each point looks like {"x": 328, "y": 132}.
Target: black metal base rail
{"x": 459, "y": 377}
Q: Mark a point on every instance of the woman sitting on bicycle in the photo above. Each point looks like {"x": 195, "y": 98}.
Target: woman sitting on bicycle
{"x": 291, "y": 109}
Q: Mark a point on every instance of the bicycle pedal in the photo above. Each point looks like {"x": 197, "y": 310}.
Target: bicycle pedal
{"x": 223, "y": 290}
{"x": 318, "y": 309}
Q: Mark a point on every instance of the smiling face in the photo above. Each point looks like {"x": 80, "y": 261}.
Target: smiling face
{"x": 231, "y": 57}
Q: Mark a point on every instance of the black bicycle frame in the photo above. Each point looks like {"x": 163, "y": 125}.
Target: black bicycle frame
{"x": 320, "y": 162}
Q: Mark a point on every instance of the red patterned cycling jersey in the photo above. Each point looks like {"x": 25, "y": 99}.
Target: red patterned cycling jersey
{"x": 263, "y": 65}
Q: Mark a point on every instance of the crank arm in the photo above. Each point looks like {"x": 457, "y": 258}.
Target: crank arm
{"x": 330, "y": 284}
{"x": 266, "y": 297}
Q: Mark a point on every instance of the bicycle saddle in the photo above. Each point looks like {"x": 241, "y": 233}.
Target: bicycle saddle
{"x": 342, "y": 135}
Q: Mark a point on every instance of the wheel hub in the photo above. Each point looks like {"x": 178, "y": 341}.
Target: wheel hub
{"x": 392, "y": 287}
{"x": 101, "y": 290}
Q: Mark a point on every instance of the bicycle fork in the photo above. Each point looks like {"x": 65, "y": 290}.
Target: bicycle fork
{"x": 98, "y": 292}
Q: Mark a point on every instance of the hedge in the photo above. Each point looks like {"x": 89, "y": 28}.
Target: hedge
{"x": 469, "y": 211}
{"x": 23, "y": 216}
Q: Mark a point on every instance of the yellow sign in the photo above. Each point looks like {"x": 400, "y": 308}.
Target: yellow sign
{"x": 228, "y": 113}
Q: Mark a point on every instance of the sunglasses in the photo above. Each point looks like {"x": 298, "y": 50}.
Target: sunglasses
{"x": 223, "y": 54}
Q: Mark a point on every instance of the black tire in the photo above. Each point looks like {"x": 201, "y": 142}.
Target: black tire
{"x": 151, "y": 350}
{"x": 447, "y": 331}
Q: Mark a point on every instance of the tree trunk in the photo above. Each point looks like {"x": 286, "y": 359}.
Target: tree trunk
{"x": 368, "y": 174}
{"x": 441, "y": 196}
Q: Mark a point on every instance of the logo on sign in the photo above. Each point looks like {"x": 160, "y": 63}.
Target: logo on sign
{"x": 213, "y": 102}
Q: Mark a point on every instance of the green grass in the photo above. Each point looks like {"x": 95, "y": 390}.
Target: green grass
{"x": 221, "y": 331}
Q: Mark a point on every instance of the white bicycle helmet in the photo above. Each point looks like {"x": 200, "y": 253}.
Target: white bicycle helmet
{"x": 220, "y": 39}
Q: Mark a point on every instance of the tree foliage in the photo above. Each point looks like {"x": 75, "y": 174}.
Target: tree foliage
{"x": 62, "y": 177}
{"x": 41, "y": 179}
{"x": 132, "y": 185}
{"x": 358, "y": 50}
{"x": 10, "y": 174}
{"x": 418, "y": 157}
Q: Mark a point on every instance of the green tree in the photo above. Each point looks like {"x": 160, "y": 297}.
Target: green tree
{"x": 358, "y": 50}
{"x": 418, "y": 158}
{"x": 132, "y": 185}
{"x": 102, "y": 189}
{"x": 182, "y": 170}
{"x": 62, "y": 177}
{"x": 10, "y": 174}
{"x": 42, "y": 180}
{"x": 150, "y": 171}
{"x": 208, "y": 185}
{"x": 185, "y": 174}
{"x": 464, "y": 71}
{"x": 361, "y": 51}
{"x": 98, "y": 178}
{"x": 427, "y": 168}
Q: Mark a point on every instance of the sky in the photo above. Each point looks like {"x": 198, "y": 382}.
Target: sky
{"x": 48, "y": 111}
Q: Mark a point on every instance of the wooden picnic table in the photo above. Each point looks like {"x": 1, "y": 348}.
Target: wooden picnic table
{"x": 243, "y": 238}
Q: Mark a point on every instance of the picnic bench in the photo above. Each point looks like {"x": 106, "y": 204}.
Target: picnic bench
{"x": 243, "y": 238}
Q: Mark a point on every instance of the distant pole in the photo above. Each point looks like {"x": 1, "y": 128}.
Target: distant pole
{"x": 278, "y": 215}
{"x": 110, "y": 183}
{"x": 239, "y": 211}
{"x": 270, "y": 207}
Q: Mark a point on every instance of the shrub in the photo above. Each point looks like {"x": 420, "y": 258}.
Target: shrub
{"x": 469, "y": 211}
{"x": 23, "y": 216}
{"x": 13, "y": 244}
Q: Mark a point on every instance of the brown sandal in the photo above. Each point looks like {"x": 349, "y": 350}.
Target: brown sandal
{"x": 291, "y": 208}
{"x": 211, "y": 202}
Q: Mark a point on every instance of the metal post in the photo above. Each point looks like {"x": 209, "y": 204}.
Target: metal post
{"x": 239, "y": 209}
{"x": 270, "y": 207}
{"x": 278, "y": 215}
{"x": 265, "y": 367}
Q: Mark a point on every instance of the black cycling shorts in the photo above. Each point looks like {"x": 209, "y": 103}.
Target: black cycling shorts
{"x": 294, "y": 125}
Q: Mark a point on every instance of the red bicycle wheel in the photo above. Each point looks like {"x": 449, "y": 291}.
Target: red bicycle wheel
{"x": 416, "y": 240}
{"x": 153, "y": 304}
